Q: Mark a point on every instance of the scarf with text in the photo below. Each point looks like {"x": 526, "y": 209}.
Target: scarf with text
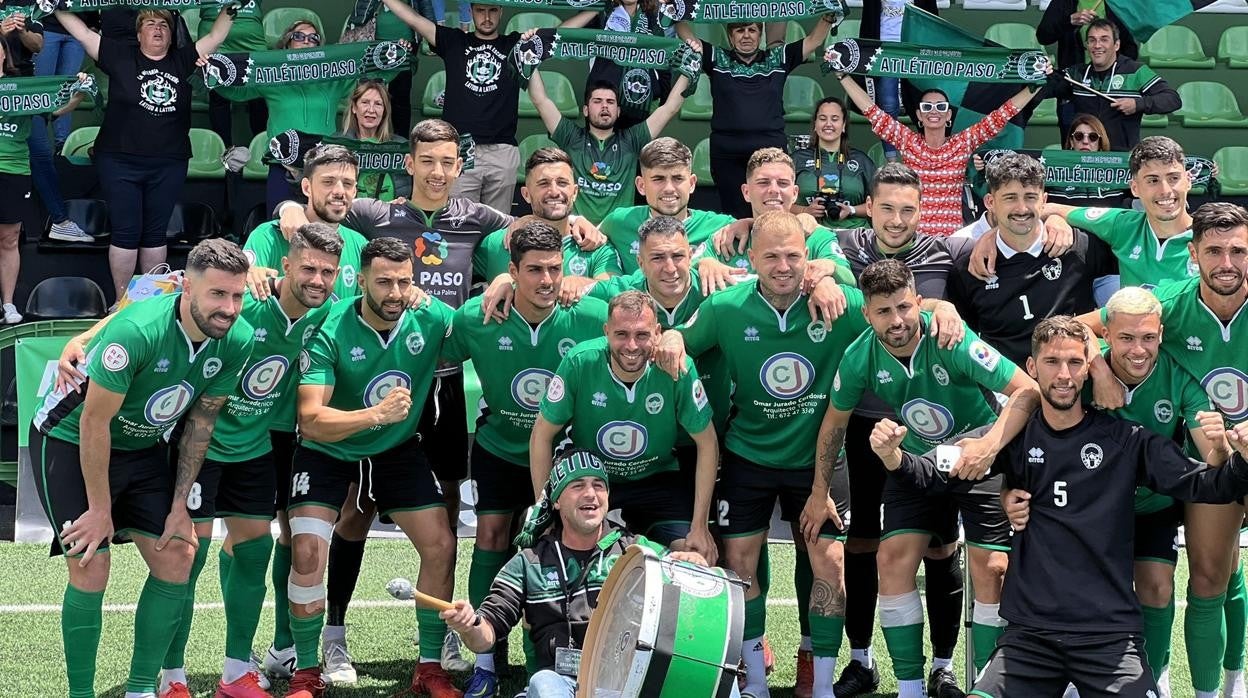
{"x": 42, "y": 8}
{"x": 42, "y": 95}
{"x": 638, "y": 54}
{"x": 888, "y": 59}
{"x": 364, "y": 10}
{"x": 733, "y": 11}
{"x": 318, "y": 64}
{"x": 290, "y": 147}
{"x": 1099, "y": 169}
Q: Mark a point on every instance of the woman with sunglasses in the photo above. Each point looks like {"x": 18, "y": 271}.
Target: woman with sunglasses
{"x": 366, "y": 117}
{"x": 1087, "y": 134}
{"x": 833, "y": 178}
{"x": 939, "y": 158}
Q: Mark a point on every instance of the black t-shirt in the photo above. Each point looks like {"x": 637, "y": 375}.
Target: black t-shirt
{"x": 149, "y": 102}
{"x": 749, "y": 97}
{"x": 482, "y": 90}
{"x": 22, "y": 57}
{"x": 118, "y": 23}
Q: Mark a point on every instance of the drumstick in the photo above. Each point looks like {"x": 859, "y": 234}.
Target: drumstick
{"x": 403, "y": 590}
{"x": 1072, "y": 81}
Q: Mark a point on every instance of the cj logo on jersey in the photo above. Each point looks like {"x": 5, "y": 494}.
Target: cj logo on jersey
{"x": 264, "y": 376}
{"x": 928, "y": 419}
{"x": 528, "y": 387}
{"x": 381, "y": 385}
{"x": 167, "y": 404}
{"x": 622, "y": 440}
{"x": 787, "y": 376}
{"x": 1228, "y": 389}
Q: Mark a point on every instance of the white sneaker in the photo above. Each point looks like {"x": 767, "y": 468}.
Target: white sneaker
{"x": 279, "y": 664}
{"x": 68, "y": 231}
{"x": 336, "y": 662}
{"x": 258, "y": 668}
{"x": 451, "y": 659}
{"x": 11, "y": 316}
{"x": 1232, "y": 685}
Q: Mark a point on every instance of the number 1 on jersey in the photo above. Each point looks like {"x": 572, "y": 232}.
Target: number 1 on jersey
{"x": 1027, "y": 314}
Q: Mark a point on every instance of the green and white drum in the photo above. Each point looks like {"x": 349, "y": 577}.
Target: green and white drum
{"x": 663, "y": 629}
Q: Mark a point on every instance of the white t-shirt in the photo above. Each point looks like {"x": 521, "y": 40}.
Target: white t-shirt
{"x": 891, "y": 14}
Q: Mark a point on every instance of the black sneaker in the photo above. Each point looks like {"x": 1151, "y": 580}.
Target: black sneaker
{"x": 941, "y": 683}
{"x": 856, "y": 680}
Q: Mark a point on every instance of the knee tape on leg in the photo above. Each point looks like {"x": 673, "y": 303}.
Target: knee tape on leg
{"x": 309, "y": 525}
{"x": 300, "y": 594}
{"x": 988, "y": 614}
{"x": 901, "y": 610}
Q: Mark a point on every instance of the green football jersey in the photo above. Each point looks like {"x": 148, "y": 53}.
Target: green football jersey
{"x": 267, "y": 389}
{"x": 514, "y": 362}
{"x": 621, "y": 225}
{"x": 936, "y": 393}
{"x": 604, "y": 170}
{"x": 145, "y": 354}
{"x": 1212, "y": 352}
{"x": 820, "y": 244}
{"x": 1143, "y": 258}
{"x": 491, "y": 259}
{"x": 266, "y": 246}
{"x": 362, "y": 366}
{"x": 632, "y": 428}
{"x": 246, "y": 31}
{"x": 14, "y": 153}
{"x": 782, "y": 364}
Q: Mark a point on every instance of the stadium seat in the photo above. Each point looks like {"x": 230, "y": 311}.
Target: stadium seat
{"x": 994, "y": 4}
{"x": 876, "y": 153}
{"x": 847, "y": 29}
{"x": 698, "y": 106}
{"x": 793, "y": 32}
{"x": 715, "y": 34}
{"x": 190, "y": 223}
{"x": 1013, "y": 35}
{"x": 1155, "y": 121}
{"x": 1209, "y": 105}
{"x": 1232, "y": 163}
{"x": 91, "y": 215}
{"x": 278, "y": 19}
{"x": 78, "y": 147}
{"x": 1045, "y": 113}
{"x": 528, "y": 145}
{"x": 257, "y": 215}
{"x": 559, "y": 89}
{"x": 1176, "y": 47}
{"x": 524, "y": 21}
{"x": 429, "y": 102}
{"x": 702, "y": 162}
{"x": 1233, "y": 47}
{"x": 206, "y": 151}
{"x": 191, "y": 17}
{"x": 65, "y": 298}
{"x": 255, "y": 169}
{"x": 800, "y": 95}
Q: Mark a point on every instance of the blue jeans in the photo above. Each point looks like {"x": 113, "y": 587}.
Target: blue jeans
{"x": 43, "y": 170}
{"x": 61, "y": 55}
{"x": 465, "y": 11}
{"x": 548, "y": 684}
{"x": 888, "y": 97}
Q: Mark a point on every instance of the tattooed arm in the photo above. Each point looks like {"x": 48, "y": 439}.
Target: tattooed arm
{"x": 191, "y": 449}
{"x": 820, "y": 506}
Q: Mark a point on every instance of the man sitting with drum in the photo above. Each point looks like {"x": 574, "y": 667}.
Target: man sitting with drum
{"x": 555, "y": 579}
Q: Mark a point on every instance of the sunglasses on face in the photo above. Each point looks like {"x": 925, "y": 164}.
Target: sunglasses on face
{"x": 311, "y": 37}
{"x": 1086, "y": 137}
{"x": 926, "y": 107}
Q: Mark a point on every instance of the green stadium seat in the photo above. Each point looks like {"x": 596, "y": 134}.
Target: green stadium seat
{"x": 1233, "y": 47}
{"x": 191, "y": 17}
{"x": 876, "y": 153}
{"x": 255, "y": 169}
{"x": 800, "y": 95}
{"x": 524, "y": 21}
{"x": 697, "y": 106}
{"x": 277, "y": 20}
{"x": 702, "y": 162}
{"x": 715, "y": 34}
{"x": 1045, "y": 113}
{"x": 1013, "y": 35}
{"x": 1177, "y": 47}
{"x": 559, "y": 89}
{"x": 1232, "y": 163}
{"x": 1209, "y": 105}
{"x": 429, "y": 101}
{"x": 793, "y": 32}
{"x": 1053, "y": 146}
{"x": 528, "y": 145}
{"x": 1155, "y": 121}
{"x": 206, "y": 151}
{"x": 77, "y": 149}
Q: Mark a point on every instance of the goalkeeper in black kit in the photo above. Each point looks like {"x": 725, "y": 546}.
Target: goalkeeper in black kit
{"x": 1068, "y": 595}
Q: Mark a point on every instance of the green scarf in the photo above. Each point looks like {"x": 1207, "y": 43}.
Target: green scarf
{"x": 319, "y": 64}
{"x": 731, "y": 11}
{"x": 43, "y": 8}
{"x": 1096, "y": 170}
{"x": 42, "y": 95}
{"x": 899, "y": 60}
{"x": 364, "y": 10}
{"x": 291, "y": 146}
{"x": 641, "y": 52}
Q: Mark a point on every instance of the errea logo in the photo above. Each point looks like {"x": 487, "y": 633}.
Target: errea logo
{"x": 751, "y": 334}
{"x": 261, "y": 334}
{"x": 504, "y": 343}
{"x": 357, "y": 354}
{"x": 884, "y": 377}
{"x": 600, "y": 399}
{"x": 1193, "y": 344}
{"x": 1136, "y": 252}
{"x": 162, "y": 366}
{"x": 1035, "y": 455}
{"x": 991, "y": 283}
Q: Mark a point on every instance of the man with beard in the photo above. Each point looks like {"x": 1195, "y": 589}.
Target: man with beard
{"x": 514, "y": 361}
{"x": 1206, "y": 334}
{"x": 103, "y": 473}
{"x": 605, "y": 160}
{"x": 938, "y": 393}
{"x": 376, "y": 352}
{"x": 1077, "y": 620}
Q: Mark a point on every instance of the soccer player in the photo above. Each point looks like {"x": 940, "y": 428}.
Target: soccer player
{"x": 938, "y": 393}
{"x": 371, "y": 361}
{"x": 514, "y": 362}
{"x": 104, "y": 475}
{"x": 1078, "y": 621}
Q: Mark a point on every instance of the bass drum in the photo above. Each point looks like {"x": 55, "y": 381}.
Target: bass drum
{"x": 663, "y": 629}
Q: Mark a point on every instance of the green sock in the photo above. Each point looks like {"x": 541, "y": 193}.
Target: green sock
{"x": 282, "y": 637}
{"x": 175, "y": 658}
{"x": 1236, "y": 620}
{"x": 306, "y": 634}
{"x": 225, "y": 560}
{"x": 81, "y": 620}
{"x": 1158, "y": 625}
{"x": 153, "y": 633}
{"x": 244, "y": 595}
{"x": 1204, "y": 629}
{"x": 826, "y": 633}
{"x": 481, "y": 573}
{"x": 803, "y": 580}
{"x": 432, "y": 632}
{"x": 755, "y": 617}
{"x": 901, "y": 620}
{"x": 530, "y": 652}
{"x": 762, "y": 575}
{"x": 984, "y": 641}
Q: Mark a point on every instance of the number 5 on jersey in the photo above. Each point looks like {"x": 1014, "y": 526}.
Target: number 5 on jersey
{"x": 1059, "y": 493}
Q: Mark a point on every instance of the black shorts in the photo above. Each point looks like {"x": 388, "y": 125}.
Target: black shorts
{"x": 284, "y": 443}
{"x": 502, "y": 487}
{"x": 659, "y": 507}
{"x": 1039, "y": 663}
{"x": 866, "y": 480}
{"x": 908, "y": 509}
{"x": 246, "y": 489}
{"x": 14, "y": 197}
{"x": 397, "y": 480}
{"x": 140, "y": 487}
{"x": 1156, "y": 534}
{"x": 443, "y": 429}
{"x": 748, "y": 492}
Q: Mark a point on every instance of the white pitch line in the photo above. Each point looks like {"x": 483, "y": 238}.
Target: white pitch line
{"x": 130, "y": 608}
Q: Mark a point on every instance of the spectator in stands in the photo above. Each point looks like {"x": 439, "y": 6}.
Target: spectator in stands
{"x": 61, "y": 55}
{"x": 144, "y": 143}
{"x": 366, "y": 117}
{"x": 747, "y": 87}
{"x": 882, "y": 20}
{"x": 22, "y": 38}
{"x": 462, "y": 6}
{"x": 939, "y": 158}
{"x": 833, "y": 178}
{"x": 1087, "y": 134}
{"x": 247, "y": 34}
{"x": 1133, "y": 88}
{"x": 386, "y": 26}
{"x": 1065, "y": 23}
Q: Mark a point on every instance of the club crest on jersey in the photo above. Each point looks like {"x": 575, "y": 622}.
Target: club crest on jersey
{"x": 528, "y": 387}
{"x": 654, "y": 403}
{"x": 940, "y": 374}
{"x": 622, "y": 440}
{"x": 817, "y": 331}
{"x": 565, "y": 345}
{"x": 415, "y": 343}
{"x": 264, "y": 376}
{"x": 1052, "y": 271}
{"x": 305, "y": 361}
{"x": 836, "y": 381}
{"x": 348, "y": 276}
{"x": 115, "y": 357}
{"x": 1227, "y": 388}
{"x": 577, "y": 266}
{"x": 1091, "y": 456}
{"x": 699, "y": 394}
{"x": 928, "y": 419}
{"x": 554, "y": 390}
{"x": 984, "y": 355}
{"x": 1094, "y": 213}
{"x": 1163, "y": 411}
{"x": 212, "y": 367}
{"x": 787, "y": 376}
{"x": 1193, "y": 269}
{"x": 167, "y": 404}
{"x": 381, "y": 385}
{"x": 308, "y": 332}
